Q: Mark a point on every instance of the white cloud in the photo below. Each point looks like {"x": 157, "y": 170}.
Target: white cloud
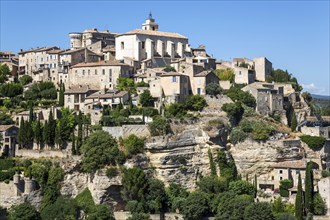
{"x": 312, "y": 88}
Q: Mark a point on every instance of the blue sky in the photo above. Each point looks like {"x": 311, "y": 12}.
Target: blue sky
{"x": 293, "y": 35}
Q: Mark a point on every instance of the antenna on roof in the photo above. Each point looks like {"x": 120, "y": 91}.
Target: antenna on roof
{"x": 150, "y": 15}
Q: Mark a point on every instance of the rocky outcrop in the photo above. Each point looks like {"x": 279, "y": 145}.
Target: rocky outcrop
{"x": 252, "y": 157}
{"x": 180, "y": 158}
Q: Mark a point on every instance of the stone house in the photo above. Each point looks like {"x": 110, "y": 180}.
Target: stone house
{"x": 148, "y": 75}
{"x": 263, "y": 68}
{"x": 9, "y": 140}
{"x": 150, "y": 46}
{"x": 175, "y": 86}
{"x": 269, "y": 97}
{"x": 199, "y": 81}
{"x": 102, "y": 74}
{"x": 315, "y": 127}
{"x": 105, "y": 99}
{"x": 11, "y": 61}
{"x": 74, "y": 96}
{"x": 244, "y": 75}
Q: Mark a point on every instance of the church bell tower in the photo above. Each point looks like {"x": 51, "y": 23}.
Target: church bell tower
{"x": 150, "y": 24}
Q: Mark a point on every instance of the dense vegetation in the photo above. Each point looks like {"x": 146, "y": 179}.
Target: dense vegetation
{"x": 313, "y": 142}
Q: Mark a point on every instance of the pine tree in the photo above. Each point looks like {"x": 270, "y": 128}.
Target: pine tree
{"x": 80, "y": 132}
{"x": 212, "y": 163}
{"x": 293, "y": 121}
{"x": 309, "y": 191}
{"x": 299, "y": 205}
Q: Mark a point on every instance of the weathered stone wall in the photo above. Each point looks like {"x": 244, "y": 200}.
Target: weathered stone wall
{"x": 42, "y": 153}
{"x": 126, "y": 130}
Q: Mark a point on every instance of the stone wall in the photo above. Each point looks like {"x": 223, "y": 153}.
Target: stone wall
{"x": 126, "y": 130}
{"x": 166, "y": 216}
{"x": 42, "y": 153}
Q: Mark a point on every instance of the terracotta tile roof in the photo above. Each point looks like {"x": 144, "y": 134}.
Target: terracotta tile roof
{"x": 108, "y": 94}
{"x": 100, "y": 63}
{"x": 7, "y": 53}
{"x": 39, "y": 49}
{"x": 68, "y": 51}
{"x": 154, "y": 33}
{"x": 202, "y": 74}
{"x": 5, "y": 127}
{"x": 80, "y": 89}
{"x": 55, "y": 51}
{"x": 298, "y": 164}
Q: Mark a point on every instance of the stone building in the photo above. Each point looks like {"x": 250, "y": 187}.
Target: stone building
{"x": 151, "y": 47}
{"x": 91, "y": 36}
{"x": 269, "y": 97}
{"x": 11, "y": 60}
{"x": 175, "y": 86}
{"x": 9, "y": 140}
{"x": 74, "y": 96}
{"x": 263, "y": 68}
{"x": 106, "y": 98}
{"x": 102, "y": 74}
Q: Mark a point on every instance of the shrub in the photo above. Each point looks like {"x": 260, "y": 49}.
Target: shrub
{"x": 237, "y": 135}
{"x": 234, "y": 110}
{"x": 319, "y": 205}
{"x": 85, "y": 201}
{"x": 195, "y": 206}
{"x": 112, "y": 172}
{"x": 133, "y": 144}
{"x": 213, "y": 89}
{"x": 159, "y": 126}
{"x": 238, "y": 95}
{"x": 241, "y": 187}
{"x": 325, "y": 173}
{"x": 146, "y": 100}
{"x": 6, "y": 164}
{"x": 24, "y": 211}
{"x": 258, "y": 211}
{"x": 5, "y": 120}
{"x": 11, "y": 89}
{"x": 285, "y": 185}
{"x": 314, "y": 142}
{"x": 26, "y": 79}
{"x": 169, "y": 69}
{"x": 195, "y": 103}
{"x": 216, "y": 123}
{"x": 226, "y": 74}
{"x": 176, "y": 110}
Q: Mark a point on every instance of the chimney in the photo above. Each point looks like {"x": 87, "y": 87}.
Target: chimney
{"x": 85, "y": 54}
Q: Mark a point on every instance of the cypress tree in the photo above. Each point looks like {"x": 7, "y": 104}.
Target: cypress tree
{"x": 58, "y": 136}
{"x": 45, "y": 133}
{"x": 61, "y": 95}
{"x": 29, "y": 133}
{"x": 38, "y": 133}
{"x": 80, "y": 133}
{"x": 255, "y": 185}
{"x": 73, "y": 148}
{"x": 21, "y": 133}
{"x": 31, "y": 117}
{"x": 212, "y": 164}
{"x": 293, "y": 121}
{"x": 51, "y": 129}
{"x": 309, "y": 188}
{"x": 299, "y": 205}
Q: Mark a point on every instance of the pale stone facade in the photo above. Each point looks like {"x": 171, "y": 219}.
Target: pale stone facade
{"x": 74, "y": 96}
{"x": 324, "y": 190}
{"x": 263, "y": 68}
{"x": 9, "y": 135}
{"x": 103, "y": 74}
{"x": 175, "y": 86}
{"x": 150, "y": 44}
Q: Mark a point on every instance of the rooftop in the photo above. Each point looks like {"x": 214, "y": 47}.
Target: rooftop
{"x": 100, "y": 63}
{"x": 5, "y": 127}
{"x": 172, "y": 74}
{"x": 80, "y": 89}
{"x": 296, "y": 164}
{"x": 154, "y": 33}
{"x": 107, "y": 95}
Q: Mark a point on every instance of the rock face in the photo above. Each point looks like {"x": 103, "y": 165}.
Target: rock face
{"x": 252, "y": 157}
{"x": 103, "y": 189}
{"x": 180, "y": 158}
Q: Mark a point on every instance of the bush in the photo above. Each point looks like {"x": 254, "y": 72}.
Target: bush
{"x": 112, "y": 172}
{"x": 234, "y": 110}
{"x": 133, "y": 144}
{"x": 175, "y": 110}
{"x": 85, "y": 201}
{"x": 241, "y": 187}
{"x": 6, "y": 175}
{"x": 285, "y": 185}
{"x": 146, "y": 100}
{"x": 26, "y": 79}
{"x": 238, "y": 95}
{"x": 213, "y": 89}
{"x": 195, "y": 103}
{"x": 258, "y": 211}
{"x": 237, "y": 135}
{"x": 11, "y": 89}
{"x": 325, "y": 173}
{"x": 5, "y": 120}
{"x": 6, "y": 164}
{"x": 62, "y": 208}
{"x": 226, "y": 74}
{"x": 169, "y": 69}
{"x": 216, "y": 123}
{"x": 159, "y": 126}
{"x": 195, "y": 206}
{"x": 24, "y": 211}
{"x": 319, "y": 205}
{"x": 284, "y": 216}
{"x": 314, "y": 142}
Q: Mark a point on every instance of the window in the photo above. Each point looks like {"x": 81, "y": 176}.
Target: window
{"x": 281, "y": 178}
{"x": 173, "y": 78}
{"x": 83, "y": 72}
{"x": 185, "y": 91}
{"x": 75, "y": 71}
{"x": 199, "y": 91}
{"x": 240, "y": 73}
{"x": 110, "y": 75}
{"x": 272, "y": 177}
{"x": 103, "y": 71}
{"x": 95, "y": 72}
{"x": 281, "y": 171}
{"x": 122, "y": 45}
{"x": 143, "y": 44}
{"x": 54, "y": 65}
{"x": 89, "y": 72}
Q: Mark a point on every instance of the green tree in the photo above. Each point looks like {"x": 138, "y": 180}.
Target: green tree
{"x": 278, "y": 206}
{"x": 238, "y": 95}
{"x": 319, "y": 205}
{"x": 242, "y": 187}
{"x": 133, "y": 144}
{"x": 313, "y": 142}
{"x": 169, "y": 68}
{"x": 146, "y": 100}
{"x": 155, "y": 196}
{"x": 293, "y": 121}
{"x": 309, "y": 188}
{"x": 134, "y": 184}
{"x": 175, "y": 110}
{"x": 62, "y": 208}
{"x": 73, "y": 148}
{"x": 38, "y": 133}
{"x": 99, "y": 149}
{"x": 195, "y": 206}
{"x": 258, "y": 211}
{"x": 159, "y": 126}
{"x": 212, "y": 184}
{"x": 24, "y": 211}
{"x": 285, "y": 185}
{"x": 126, "y": 84}
{"x": 195, "y": 103}
{"x": 101, "y": 212}
{"x": 80, "y": 132}
{"x": 61, "y": 95}
{"x": 299, "y": 203}
{"x": 213, "y": 167}
{"x": 226, "y": 74}
{"x": 24, "y": 80}
{"x": 11, "y": 90}
{"x": 5, "y": 119}
{"x": 176, "y": 192}
{"x": 4, "y": 73}
{"x": 213, "y": 89}
{"x": 233, "y": 208}
{"x": 234, "y": 110}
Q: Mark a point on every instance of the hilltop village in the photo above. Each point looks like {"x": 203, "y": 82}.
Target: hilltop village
{"x": 140, "y": 125}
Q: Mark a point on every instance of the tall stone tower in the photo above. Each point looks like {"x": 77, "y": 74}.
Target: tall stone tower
{"x": 75, "y": 40}
{"x": 150, "y": 24}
